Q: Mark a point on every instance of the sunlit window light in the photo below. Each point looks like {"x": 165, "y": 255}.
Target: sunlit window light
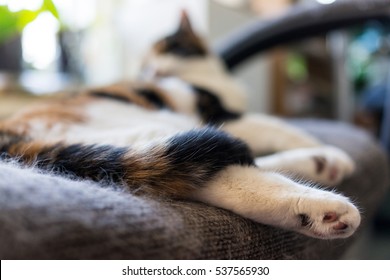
{"x": 17, "y": 5}
{"x": 76, "y": 14}
{"x": 39, "y": 41}
{"x": 325, "y": 2}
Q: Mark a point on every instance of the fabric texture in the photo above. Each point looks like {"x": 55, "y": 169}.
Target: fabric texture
{"x": 48, "y": 217}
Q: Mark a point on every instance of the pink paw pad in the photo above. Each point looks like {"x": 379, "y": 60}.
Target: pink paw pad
{"x": 330, "y": 217}
{"x": 340, "y": 226}
{"x": 333, "y": 173}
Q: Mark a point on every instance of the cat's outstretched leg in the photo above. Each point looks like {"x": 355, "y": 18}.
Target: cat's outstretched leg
{"x": 221, "y": 171}
{"x": 296, "y": 152}
{"x": 273, "y": 199}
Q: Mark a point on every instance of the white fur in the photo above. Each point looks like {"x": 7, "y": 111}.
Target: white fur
{"x": 295, "y": 149}
{"x": 209, "y": 73}
{"x": 39, "y": 129}
{"x": 272, "y": 199}
{"x": 181, "y": 94}
{"x": 112, "y": 122}
{"x": 301, "y": 162}
{"x": 206, "y": 71}
{"x": 266, "y": 134}
{"x": 116, "y": 123}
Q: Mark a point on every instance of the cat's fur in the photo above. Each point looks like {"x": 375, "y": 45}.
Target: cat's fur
{"x": 181, "y": 132}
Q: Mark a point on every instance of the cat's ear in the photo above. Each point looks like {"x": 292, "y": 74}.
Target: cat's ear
{"x": 185, "y": 23}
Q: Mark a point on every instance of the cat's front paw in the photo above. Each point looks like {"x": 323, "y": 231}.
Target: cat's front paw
{"x": 328, "y": 217}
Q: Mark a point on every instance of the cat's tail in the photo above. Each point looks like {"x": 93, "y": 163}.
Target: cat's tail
{"x": 175, "y": 167}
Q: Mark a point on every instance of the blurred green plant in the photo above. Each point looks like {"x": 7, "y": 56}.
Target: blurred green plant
{"x": 296, "y": 67}
{"x": 13, "y": 23}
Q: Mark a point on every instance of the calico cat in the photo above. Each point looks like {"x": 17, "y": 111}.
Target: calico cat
{"x": 181, "y": 132}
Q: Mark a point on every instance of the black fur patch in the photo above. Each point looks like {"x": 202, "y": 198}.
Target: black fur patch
{"x": 86, "y": 161}
{"x": 305, "y": 220}
{"x": 183, "y": 47}
{"x": 183, "y": 43}
{"x": 211, "y": 109}
{"x": 109, "y": 95}
{"x": 152, "y": 97}
{"x": 207, "y": 151}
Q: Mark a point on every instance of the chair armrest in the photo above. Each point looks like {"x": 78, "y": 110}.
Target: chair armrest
{"x": 300, "y": 22}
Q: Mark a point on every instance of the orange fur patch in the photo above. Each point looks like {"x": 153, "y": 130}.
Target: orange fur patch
{"x": 153, "y": 174}
{"x": 28, "y": 151}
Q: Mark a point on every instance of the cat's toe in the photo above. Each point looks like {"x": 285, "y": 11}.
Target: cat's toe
{"x": 330, "y": 219}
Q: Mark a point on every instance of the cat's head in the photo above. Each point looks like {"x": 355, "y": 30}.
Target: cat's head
{"x": 183, "y": 42}
{"x": 172, "y": 52}
{"x": 185, "y": 55}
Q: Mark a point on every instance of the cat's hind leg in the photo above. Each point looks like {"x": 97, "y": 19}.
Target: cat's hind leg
{"x": 273, "y": 199}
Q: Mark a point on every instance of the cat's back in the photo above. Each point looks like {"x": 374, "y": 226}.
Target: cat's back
{"x": 118, "y": 114}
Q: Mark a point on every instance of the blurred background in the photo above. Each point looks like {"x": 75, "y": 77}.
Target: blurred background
{"x": 52, "y": 45}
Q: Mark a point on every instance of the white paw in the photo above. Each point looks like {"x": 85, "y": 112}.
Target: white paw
{"x": 325, "y": 165}
{"x": 331, "y": 165}
{"x": 329, "y": 217}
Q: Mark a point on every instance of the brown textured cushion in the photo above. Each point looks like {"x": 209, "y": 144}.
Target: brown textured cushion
{"x": 46, "y": 217}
